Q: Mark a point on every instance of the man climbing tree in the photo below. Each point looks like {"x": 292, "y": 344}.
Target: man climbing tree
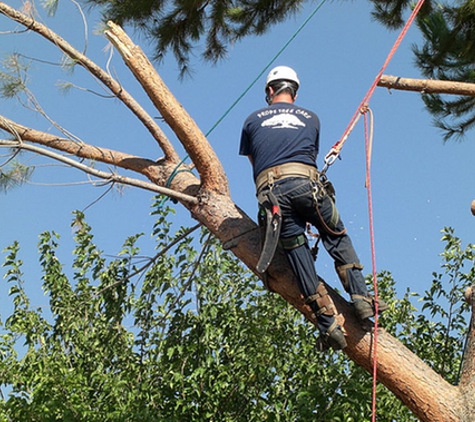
{"x": 282, "y": 143}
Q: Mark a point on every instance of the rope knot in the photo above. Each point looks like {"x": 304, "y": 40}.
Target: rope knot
{"x": 364, "y": 109}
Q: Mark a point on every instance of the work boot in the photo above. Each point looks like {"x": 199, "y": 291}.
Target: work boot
{"x": 334, "y": 337}
{"x": 364, "y": 306}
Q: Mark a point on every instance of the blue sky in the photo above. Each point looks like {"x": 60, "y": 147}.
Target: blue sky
{"x": 420, "y": 185}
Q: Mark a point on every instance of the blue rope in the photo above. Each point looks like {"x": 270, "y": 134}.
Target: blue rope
{"x": 299, "y": 29}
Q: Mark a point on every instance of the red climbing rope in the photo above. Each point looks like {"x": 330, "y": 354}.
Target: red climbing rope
{"x": 368, "y": 142}
{"x": 335, "y": 150}
{"x": 330, "y": 158}
{"x": 368, "y": 147}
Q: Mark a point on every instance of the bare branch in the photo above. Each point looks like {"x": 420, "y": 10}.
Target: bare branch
{"x": 94, "y": 69}
{"x": 151, "y": 260}
{"x": 151, "y": 169}
{"x": 108, "y": 176}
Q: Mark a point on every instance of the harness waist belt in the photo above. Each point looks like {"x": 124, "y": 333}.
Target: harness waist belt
{"x": 283, "y": 171}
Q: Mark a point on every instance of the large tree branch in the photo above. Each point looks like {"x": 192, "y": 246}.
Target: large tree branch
{"x": 117, "y": 89}
{"x": 111, "y": 177}
{"x": 400, "y": 370}
{"x": 156, "y": 172}
{"x": 427, "y": 86}
{"x": 196, "y": 145}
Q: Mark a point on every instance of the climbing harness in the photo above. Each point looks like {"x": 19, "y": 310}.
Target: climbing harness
{"x": 324, "y": 188}
{"x": 273, "y": 174}
{"x": 270, "y": 217}
{"x": 293, "y": 242}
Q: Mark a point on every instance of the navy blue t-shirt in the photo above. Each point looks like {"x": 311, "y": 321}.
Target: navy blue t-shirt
{"x": 278, "y": 134}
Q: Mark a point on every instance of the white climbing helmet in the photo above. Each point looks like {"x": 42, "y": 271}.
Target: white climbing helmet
{"x": 282, "y": 73}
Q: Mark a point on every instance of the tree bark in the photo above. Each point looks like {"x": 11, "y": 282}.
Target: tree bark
{"x": 422, "y": 390}
{"x": 427, "y": 86}
{"x": 467, "y": 378}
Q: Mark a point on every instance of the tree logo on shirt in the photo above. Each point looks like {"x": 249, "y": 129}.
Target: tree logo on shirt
{"x": 283, "y": 121}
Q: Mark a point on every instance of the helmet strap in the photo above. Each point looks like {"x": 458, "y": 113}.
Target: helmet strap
{"x": 283, "y": 85}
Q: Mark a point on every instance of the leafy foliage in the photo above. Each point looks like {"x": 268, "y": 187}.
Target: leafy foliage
{"x": 13, "y": 174}
{"x": 391, "y": 12}
{"x": 182, "y": 26}
{"x": 195, "y": 337}
{"x": 447, "y": 53}
{"x": 437, "y": 333}
{"x": 14, "y": 80}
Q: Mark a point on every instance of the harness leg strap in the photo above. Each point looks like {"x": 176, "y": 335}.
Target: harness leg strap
{"x": 323, "y": 300}
{"x": 293, "y": 242}
{"x": 341, "y": 270}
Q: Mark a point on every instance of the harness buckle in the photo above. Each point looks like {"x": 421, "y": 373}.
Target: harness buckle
{"x": 270, "y": 179}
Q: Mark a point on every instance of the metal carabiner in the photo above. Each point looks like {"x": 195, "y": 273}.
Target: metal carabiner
{"x": 329, "y": 159}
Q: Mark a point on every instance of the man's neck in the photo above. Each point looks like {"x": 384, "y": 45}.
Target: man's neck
{"x": 283, "y": 98}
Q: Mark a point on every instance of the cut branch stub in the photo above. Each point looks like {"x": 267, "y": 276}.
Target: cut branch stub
{"x": 427, "y": 86}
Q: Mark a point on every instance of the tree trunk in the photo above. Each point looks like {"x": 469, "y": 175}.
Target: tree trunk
{"x": 467, "y": 379}
{"x": 422, "y": 390}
